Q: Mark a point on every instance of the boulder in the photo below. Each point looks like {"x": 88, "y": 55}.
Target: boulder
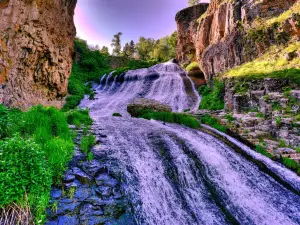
{"x": 146, "y": 104}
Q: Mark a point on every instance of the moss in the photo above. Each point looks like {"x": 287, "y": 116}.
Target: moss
{"x": 193, "y": 67}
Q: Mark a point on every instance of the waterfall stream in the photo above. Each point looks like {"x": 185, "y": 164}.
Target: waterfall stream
{"x": 172, "y": 174}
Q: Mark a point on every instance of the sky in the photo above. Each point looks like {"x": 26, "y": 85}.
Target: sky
{"x": 98, "y": 20}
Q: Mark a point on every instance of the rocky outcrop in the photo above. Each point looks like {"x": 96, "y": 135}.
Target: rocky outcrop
{"x": 141, "y": 104}
{"x": 222, "y": 36}
{"x": 36, "y": 46}
{"x": 264, "y": 112}
{"x": 186, "y": 27}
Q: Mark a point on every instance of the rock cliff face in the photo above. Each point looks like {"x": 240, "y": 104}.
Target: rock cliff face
{"x": 36, "y": 46}
{"x": 219, "y": 36}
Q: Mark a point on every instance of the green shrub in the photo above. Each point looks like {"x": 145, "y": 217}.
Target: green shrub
{"x": 23, "y": 170}
{"x": 213, "y": 122}
{"x": 117, "y": 114}
{"x": 193, "y": 66}
{"x": 87, "y": 142}
{"x": 212, "y": 98}
{"x": 169, "y": 117}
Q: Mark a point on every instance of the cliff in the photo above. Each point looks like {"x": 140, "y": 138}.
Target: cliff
{"x": 230, "y": 33}
{"x": 36, "y": 46}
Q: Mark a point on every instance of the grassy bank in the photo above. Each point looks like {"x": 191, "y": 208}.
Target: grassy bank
{"x": 169, "y": 117}
{"x": 35, "y": 148}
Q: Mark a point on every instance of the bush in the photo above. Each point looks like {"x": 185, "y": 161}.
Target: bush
{"x": 169, "y": 117}
{"x": 23, "y": 170}
{"x": 212, "y": 98}
{"x": 213, "y": 122}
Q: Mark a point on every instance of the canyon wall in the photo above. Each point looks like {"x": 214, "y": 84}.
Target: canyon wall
{"x": 36, "y": 46}
{"x": 219, "y": 36}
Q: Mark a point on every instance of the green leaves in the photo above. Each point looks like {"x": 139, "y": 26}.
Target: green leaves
{"x": 23, "y": 169}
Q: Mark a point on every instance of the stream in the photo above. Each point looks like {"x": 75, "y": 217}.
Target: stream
{"x": 150, "y": 172}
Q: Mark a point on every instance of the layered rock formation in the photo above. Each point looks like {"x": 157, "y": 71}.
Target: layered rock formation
{"x": 220, "y": 36}
{"x": 36, "y": 46}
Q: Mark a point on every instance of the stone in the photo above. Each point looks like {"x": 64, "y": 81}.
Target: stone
{"x": 36, "y": 51}
{"x": 55, "y": 193}
{"x": 104, "y": 191}
{"x": 81, "y": 176}
{"x": 69, "y": 176}
{"x": 68, "y": 220}
{"x": 66, "y": 207}
{"x": 146, "y": 104}
{"x": 284, "y": 151}
{"x": 90, "y": 210}
{"x": 105, "y": 180}
{"x": 82, "y": 193}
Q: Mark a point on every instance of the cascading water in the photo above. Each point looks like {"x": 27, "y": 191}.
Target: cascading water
{"x": 176, "y": 175}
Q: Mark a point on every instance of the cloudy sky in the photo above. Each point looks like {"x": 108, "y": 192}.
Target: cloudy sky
{"x": 98, "y": 20}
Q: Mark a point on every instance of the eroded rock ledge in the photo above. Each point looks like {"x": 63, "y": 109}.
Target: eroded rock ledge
{"x": 36, "y": 46}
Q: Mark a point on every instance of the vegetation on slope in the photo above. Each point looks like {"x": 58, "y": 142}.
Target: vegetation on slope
{"x": 170, "y": 117}
{"x": 278, "y": 62}
{"x": 212, "y": 98}
{"x": 35, "y": 148}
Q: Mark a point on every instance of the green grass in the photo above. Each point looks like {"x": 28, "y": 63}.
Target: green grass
{"x": 87, "y": 142}
{"x": 262, "y": 150}
{"x": 35, "y": 148}
{"x": 193, "y": 66}
{"x": 212, "y": 98}
{"x": 270, "y": 65}
{"x": 179, "y": 118}
{"x": 213, "y": 122}
{"x": 79, "y": 117}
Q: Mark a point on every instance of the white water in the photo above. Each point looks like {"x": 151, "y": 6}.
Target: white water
{"x": 177, "y": 175}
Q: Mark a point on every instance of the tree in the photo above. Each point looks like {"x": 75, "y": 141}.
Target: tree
{"x": 145, "y": 48}
{"x": 116, "y": 43}
{"x": 193, "y": 2}
{"x": 126, "y": 50}
{"x": 104, "y": 50}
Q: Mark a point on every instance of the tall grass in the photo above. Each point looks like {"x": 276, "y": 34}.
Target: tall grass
{"x": 35, "y": 148}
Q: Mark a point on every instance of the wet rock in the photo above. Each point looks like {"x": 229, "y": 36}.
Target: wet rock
{"x": 104, "y": 191}
{"x": 69, "y": 176}
{"x": 55, "y": 193}
{"x": 146, "y": 104}
{"x": 66, "y": 207}
{"x": 106, "y": 180}
{"x": 82, "y": 193}
{"x": 68, "y": 220}
{"x": 81, "y": 176}
{"x": 90, "y": 210}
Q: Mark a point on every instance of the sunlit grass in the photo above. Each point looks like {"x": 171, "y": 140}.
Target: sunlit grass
{"x": 273, "y": 64}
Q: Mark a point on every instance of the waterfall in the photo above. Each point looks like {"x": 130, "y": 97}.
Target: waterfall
{"x": 172, "y": 174}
